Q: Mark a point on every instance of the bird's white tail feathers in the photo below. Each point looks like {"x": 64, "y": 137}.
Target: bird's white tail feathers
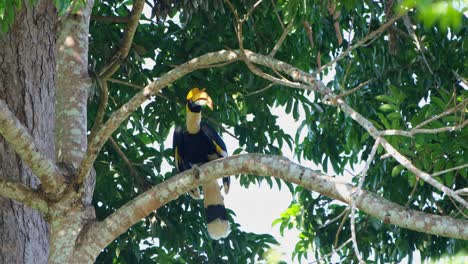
{"x": 216, "y": 215}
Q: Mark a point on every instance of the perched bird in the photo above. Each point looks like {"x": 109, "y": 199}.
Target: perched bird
{"x": 197, "y": 144}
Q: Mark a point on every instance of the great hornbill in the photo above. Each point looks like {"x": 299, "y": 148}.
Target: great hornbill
{"x": 199, "y": 144}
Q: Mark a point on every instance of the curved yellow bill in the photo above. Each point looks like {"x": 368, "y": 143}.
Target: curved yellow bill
{"x": 200, "y": 96}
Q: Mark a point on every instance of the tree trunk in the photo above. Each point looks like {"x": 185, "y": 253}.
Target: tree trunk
{"x": 27, "y": 84}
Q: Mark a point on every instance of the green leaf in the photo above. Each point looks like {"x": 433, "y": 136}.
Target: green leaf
{"x": 396, "y": 170}
{"x": 384, "y": 121}
{"x": 394, "y": 116}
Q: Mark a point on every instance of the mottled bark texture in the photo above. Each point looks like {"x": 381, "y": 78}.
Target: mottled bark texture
{"x": 27, "y": 80}
{"x": 73, "y": 83}
{"x": 100, "y": 234}
{"x": 68, "y": 216}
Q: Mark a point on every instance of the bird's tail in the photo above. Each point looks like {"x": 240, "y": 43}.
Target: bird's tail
{"x": 216, "y": 215}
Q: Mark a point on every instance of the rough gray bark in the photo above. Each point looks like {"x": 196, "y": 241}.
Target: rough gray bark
{"x": 99, "y": 234}
{"x": 27, "y": 80}
{"x": 73, "y": 211}
{"x": 73, "y": 83}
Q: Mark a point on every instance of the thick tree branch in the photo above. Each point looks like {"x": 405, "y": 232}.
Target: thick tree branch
{"x": 127, "y": 40}
{"x": 15, "y": 133}
{"x": 168, "y": 99}
{"x": 224, "y": 56}
{"x": 121, "y": 114}
{"x": 300, "y": 76}
{"x": 67, "y": 216}
{"x": 23, "y": 194}
{"x": 100, "y": 234}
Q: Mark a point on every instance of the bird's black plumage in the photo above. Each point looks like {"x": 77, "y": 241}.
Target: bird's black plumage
{"x": 199, "y": 148}
{"x": 197, "y": 144}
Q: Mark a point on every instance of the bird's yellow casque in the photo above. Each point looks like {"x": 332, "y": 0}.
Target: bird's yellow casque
{"x": 197, "y": 144}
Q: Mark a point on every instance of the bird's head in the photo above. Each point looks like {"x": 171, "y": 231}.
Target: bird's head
{"x": 196, "y": 99}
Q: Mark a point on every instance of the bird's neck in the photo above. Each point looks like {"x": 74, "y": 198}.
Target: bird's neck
{"x": 193, "y": 122}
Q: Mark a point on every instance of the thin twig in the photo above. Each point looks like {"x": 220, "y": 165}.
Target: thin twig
{"x": 340, "y": 228}
{"x": 412, "y": 33}
{"x": 335, "y": 15}
{"x": 249, "y": 64}
{"x": 281, "y": 39}
{"x": 277, "y": 15}
{"x": 333, "y": 252}
{"x": 460, "y": 211}
{"x": 334, "y": 219}
{"x": 353, "y": 235}
{"x": 359, "y": 86}
{"x": 127, "y": 40}
{"x": 449, "y": 170}
{"x": 410, "y": 197}
{"x": 122, "y": 155}
{"x": 438, "y": 130}
{"x": 261, "y": 90}
{"x": 368, "y": 162}
{"x": 462, "y": 104}
{"x": 361, "y": 42}
{"x": 309, "y": 32}
{"x": 102, "y": 106}
{"x": 249, "y": 13}
{"x": 357, "y": 195}
{"x": 139, "y": 87}
{"x": 211, "y": 120}
{"x": 412, "y": 132}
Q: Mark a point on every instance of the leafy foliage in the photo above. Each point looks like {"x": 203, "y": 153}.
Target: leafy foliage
{"x": 403, "y": 92}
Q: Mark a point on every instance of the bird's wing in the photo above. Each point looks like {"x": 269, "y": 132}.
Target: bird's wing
{"x": 220, "y": 147}
{"x": 215, "y": 139}
{"x": 177, "y": 142}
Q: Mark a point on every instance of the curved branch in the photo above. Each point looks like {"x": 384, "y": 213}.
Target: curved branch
{"x": 300, "y": 76}
{"x": 366, "y": 124}
{"x": 100, "y": 234}
{"x": 19, "y": 138}
{"x": 23, "y": 194}
{"x": 121, "y": 114}
{"x": 226, "y": 57}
